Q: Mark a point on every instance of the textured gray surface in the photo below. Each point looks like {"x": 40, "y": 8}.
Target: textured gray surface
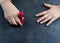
{"x": 31, "y": 32}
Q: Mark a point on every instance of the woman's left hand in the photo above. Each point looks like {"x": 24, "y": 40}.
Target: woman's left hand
{"x": 50, "y": 15}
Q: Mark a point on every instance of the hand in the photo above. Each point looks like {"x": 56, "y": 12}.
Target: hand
{"x": 50, "y": 15}
{"x": 11, "y": 13}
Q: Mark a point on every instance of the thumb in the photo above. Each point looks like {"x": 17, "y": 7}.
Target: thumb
{"x": 48, "y": 5}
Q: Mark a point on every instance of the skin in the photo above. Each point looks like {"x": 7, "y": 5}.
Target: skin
{"x": 11, "y": 13}
{"x": 52, "y": 14}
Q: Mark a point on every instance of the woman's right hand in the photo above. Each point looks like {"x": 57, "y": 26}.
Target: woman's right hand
{"x": 11, "y": 13}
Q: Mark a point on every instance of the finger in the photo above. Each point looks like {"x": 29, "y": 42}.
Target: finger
{"x": 43, "y": 17}
{"x": 8, "y": 19}
{"x": 52, "y": 20}
{"x": 48, "y": 5}
{"x": 12, "y": 20}
{"x": 42, "y": 13}
{"x": 18, "y": 21}
{"x": 17, "y": 13}
{"x": 48, "y": 18}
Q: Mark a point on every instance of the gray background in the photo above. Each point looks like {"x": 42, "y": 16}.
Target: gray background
{"x": 31, "y": 32}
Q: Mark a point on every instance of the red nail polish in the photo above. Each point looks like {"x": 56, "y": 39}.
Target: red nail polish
{"x": 21, "y": 15}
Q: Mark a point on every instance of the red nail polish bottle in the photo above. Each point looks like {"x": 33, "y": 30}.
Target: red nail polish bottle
{"x": 21, "y": 17}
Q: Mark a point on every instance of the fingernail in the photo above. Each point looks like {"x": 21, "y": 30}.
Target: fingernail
{"x": 20, "y": 24}
{"x": 44, "y": 3}
{"x": 35, "y": 15}
{"x": 47, "y": 25}
{"x": 41, "y": 22}
{"x": 37, "y": 20}
{"x": 16, "y": 24}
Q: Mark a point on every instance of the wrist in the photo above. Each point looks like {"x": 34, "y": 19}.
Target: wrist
{"x": 1, "y": 1}
{"x": 6, "y": 5}
{"x": 4, "y": 2}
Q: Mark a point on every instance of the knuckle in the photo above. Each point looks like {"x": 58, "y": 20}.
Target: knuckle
{"x": 15, "y": 13}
